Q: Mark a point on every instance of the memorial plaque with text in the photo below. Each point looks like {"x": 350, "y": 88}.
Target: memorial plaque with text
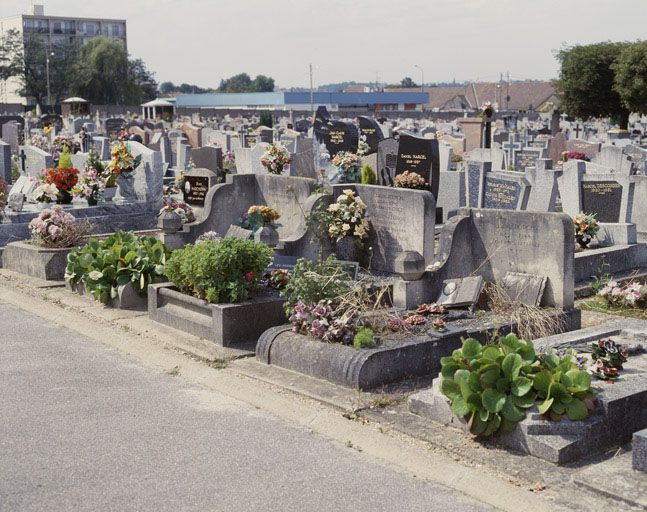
{"x": 501, "y": 194}
{"x": 370, "y": 132}
{"x": 603, "y": 198}
{"x": 526, "y": 158}
{"x": 195, "y": 189}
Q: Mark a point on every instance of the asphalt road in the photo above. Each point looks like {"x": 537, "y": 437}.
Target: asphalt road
{"x": 84, "y": 427}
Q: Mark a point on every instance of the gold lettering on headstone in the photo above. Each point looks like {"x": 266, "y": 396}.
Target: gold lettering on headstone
{"x": 600, "y": 188}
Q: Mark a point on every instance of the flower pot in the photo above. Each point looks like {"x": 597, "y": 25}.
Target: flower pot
{"x": 92, "y": 201}
{"x": 583, "y": 241}
{"x": 109, "y": 193}
{"x": 64, "y": 197}
{"x": 125, "y": 189}
{"x": 347, "y": 249}
{"x": 267, "y": 235}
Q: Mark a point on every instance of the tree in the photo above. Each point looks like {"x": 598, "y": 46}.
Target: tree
{"x": 262, "y": 83}
{"x": 143, "y": 86}
{"x": 167, "y": 87}
{"x": 586, "y": 82}
{"x": 631, "y": 77}
{"x": 243, "y": 83}
{"x": 33, "y": 71}
{"x": 407, "y": 82}
{"x": 11, "y": 54}
{"x": 102, "y": 75}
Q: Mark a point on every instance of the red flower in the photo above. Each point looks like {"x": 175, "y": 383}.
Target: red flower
{"x": 249, "y": 276}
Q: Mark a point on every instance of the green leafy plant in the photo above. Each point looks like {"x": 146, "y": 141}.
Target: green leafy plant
{"x": 219, "y": 271}
{"x": 364, "y": 338}
{"x": 491, "y": 386}
{"x": 65, "y": 160}
{"x": 314, "y": 281}
{"x": 368, "y": 175}
{"x": 103, "y": 266}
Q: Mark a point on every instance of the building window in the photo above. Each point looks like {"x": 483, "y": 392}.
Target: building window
{"x": 36, "y": 26}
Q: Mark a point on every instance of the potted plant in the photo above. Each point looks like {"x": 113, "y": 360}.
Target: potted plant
{"x": 586, "y": 227}
{"x": 64, "y": 179}
{"x": 90, "y": 185}
{"x": 276, "y": 158}
{"x": 262, "y": 221}
{"x": 180, "y": 207}
{"x": 347, "y": 227}
{"x": 122, "y": 165}
{"x": 53, "y": 233}
{"x": 347, "y": 166}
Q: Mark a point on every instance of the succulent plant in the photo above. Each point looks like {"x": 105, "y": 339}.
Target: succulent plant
{"x": 608, "y": 357}
{"x": 491, "y": 386}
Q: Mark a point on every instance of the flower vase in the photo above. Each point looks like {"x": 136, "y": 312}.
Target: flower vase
{"x": 583, "y": 241}
{"x": 347, "y": 249}
{"x": 92, "y": 200}
{"x": 64, "y": 197}
{"x": 125, "y": 189}
{"x": 109, "y": 193}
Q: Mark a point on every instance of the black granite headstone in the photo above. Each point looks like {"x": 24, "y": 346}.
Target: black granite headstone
{"x": 602, "y": 198}
{"x": 195, "y": 189}
{"x": 336, "y": 135}
{"x": 422, "y": 156}
{"x": 370, "y": 132}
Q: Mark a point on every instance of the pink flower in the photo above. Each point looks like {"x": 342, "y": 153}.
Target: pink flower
{"x": 249, "y": 276}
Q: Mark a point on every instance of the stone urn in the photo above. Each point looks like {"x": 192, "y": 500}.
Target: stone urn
{"x": 267, "y": 235}
{"x": 109, "y": 193}
{"x": 125, "y": 188}
{"x": 348, "y": 249}
{"x": 410, "y": 265}
{"x": 583, "y": 240}
{"x": 169, "y": 222}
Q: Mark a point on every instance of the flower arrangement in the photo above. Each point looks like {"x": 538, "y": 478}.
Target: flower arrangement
{"x": 45, "y": 193}
{"x": 90, "y": 185}
{"x": 58, "y": 184}
{"x": 608, "y": 358}
{"x": 362, "y": 148}
{"x": 228, "y": 161}
{"x": 411, "y": 180}
{"x": 322, "y": 321}
{"x": 573, "y": 155}
{"x": 180, "y": 207}
{"x": 276, "y": 158}
{"x": 277, "y": 278}
{"x": 259, "y": 217}
{"x": 169, "y": 190}
{"x": 123, "y": 160}
{"x": 346, "y": 217}
{"x": 347, "y": 165}
{"x": 630, "y": 295}
{"x": 586, "y": 227}
{"x": 58, "y": 229}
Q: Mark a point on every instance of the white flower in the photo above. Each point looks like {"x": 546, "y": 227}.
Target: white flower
{"x": 95, "y": 275}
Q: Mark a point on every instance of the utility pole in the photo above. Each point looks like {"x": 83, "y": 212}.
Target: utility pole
{"x": 49, "y": 94}
{"x": 312, "y": 96}
{"x": 422, "y": 77}
{"x": 507, "y": 94}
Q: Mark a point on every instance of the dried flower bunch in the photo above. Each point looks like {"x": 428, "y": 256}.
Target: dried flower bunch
{"x": 410, "y": 180}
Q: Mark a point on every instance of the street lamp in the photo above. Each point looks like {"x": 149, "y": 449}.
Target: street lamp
{"x": 49, "y": 94}
{"x": 422, "y": 77}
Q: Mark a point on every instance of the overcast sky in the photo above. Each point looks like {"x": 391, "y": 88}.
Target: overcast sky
{"x": 202, "y": 41}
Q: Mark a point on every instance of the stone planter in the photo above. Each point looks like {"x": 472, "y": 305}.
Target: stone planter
{"x": 126, "y": 297}
{"x": 35, "y": 261}
{"x": 109, "y": 194}
{"x": 224, "y": 324}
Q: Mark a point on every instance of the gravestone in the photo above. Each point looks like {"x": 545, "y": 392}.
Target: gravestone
{"x": 145, "y": 183}
{"x": 208, "y": 157}
{"x": 256, "y": 153}
{"x": 387, "y": 159}
{"x": 336, "y": 135}
{"x": 615, "y": 159}
{"x": 11, "y": 134}
{"x": 193, "y": 134}
{"x": 603, "y": 198}
{"x": 422, "y": 156}
{"x": 475, "y": 172}
{"x": 511, "y": 147}
{"x": 590, "y": 149}
{"x": 102, "y": 146}
{"x": 35, "y": 160}
{"x": 370, "y": 132}
{"x": 494, "y": 155}
{"x": 114, "y": 125}
{"x": 265, "y": 134}
{"x": 197, "y": 183}
{"x": 303, "y": 163}
{"x": 505, "y": 192}
{"x": 556, "y": 147}
{"x": 238, "y": 232}
{"x": 16, "y": 201}
{"x": 400, "y": 220}
{"x": 527, "y": 157}
{"x": 183, "y": 155}
{"x": 5, "y": 162}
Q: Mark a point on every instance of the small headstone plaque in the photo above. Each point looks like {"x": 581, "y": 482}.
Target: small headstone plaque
{"x": 604, "y": 198}
{"x": 280, "y": 261}
{"x": 238, "y": 232}
{"x": 504, "y": 194}
{"x": 459, "y": 293}
{"x": 524, "y": 288}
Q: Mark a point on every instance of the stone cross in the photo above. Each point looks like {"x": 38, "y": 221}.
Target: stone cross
{"x": 511, "y": 147}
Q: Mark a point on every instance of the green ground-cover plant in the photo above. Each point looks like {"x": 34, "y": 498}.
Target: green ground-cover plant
{"x": 364, "y": 338}
{"x": 219, "y": 271}
{"x": 315, "y": 281}
{"x": 491, "y": 386}
{"x": 103, "y": 266}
